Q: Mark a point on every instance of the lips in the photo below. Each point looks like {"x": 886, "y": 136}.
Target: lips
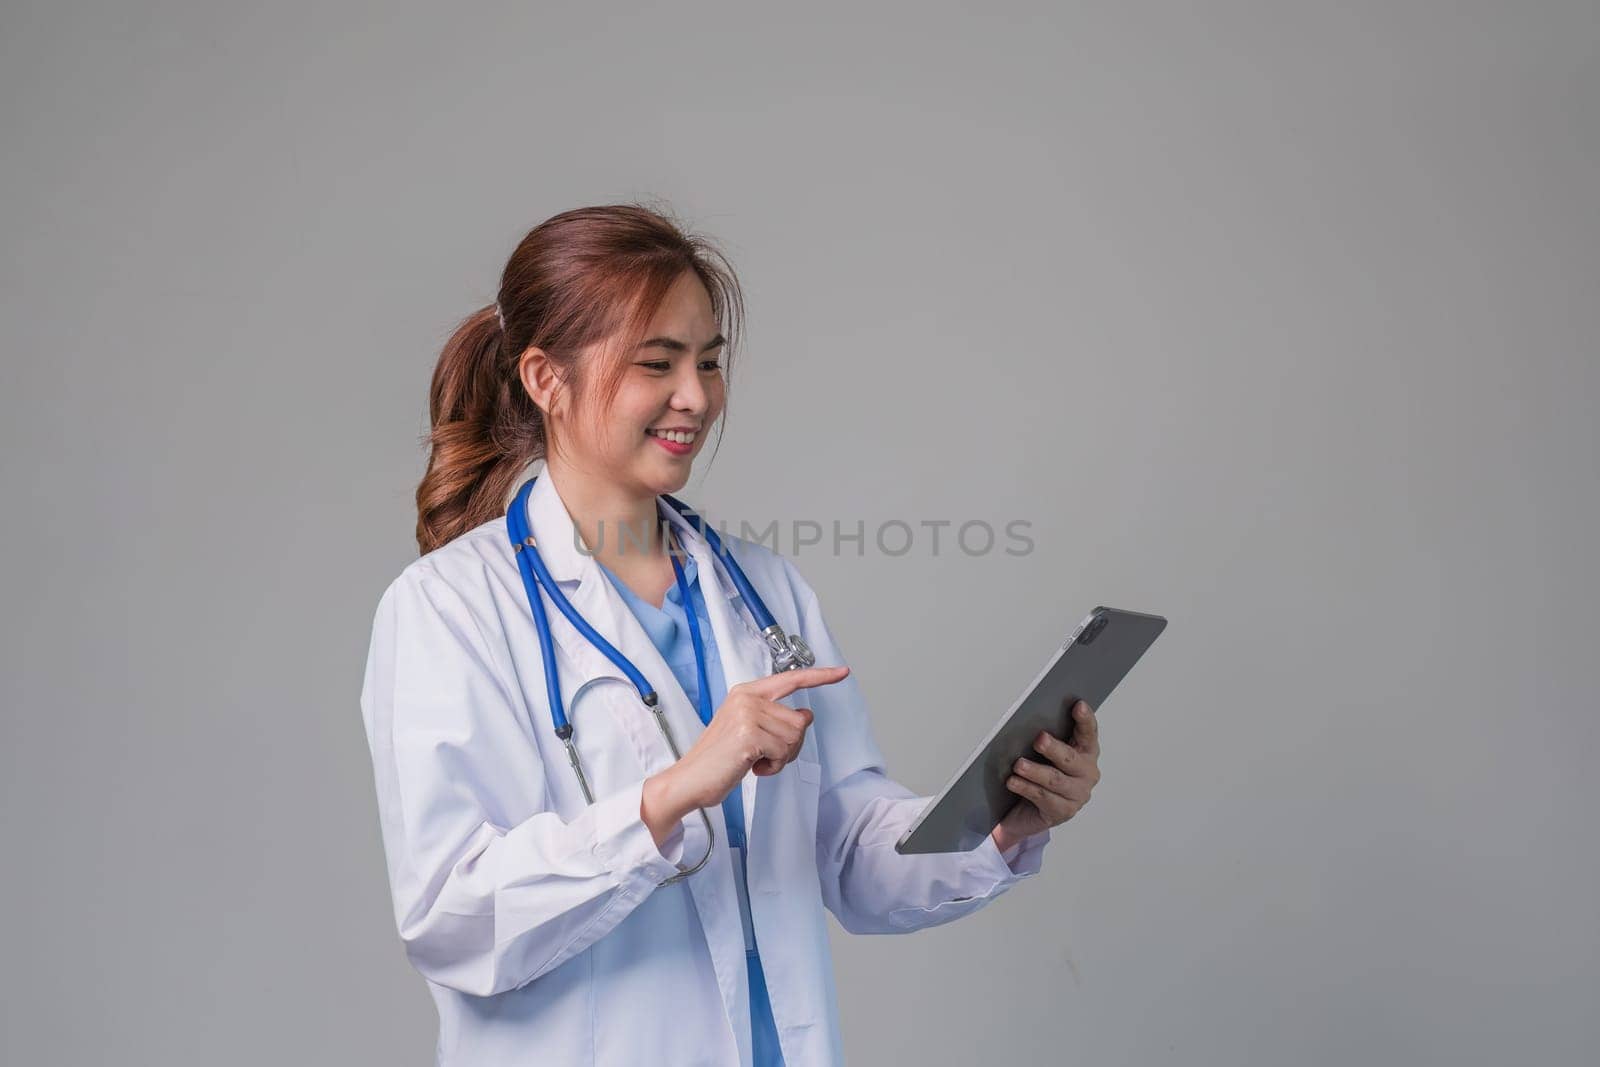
{"x": 677, "y": 448}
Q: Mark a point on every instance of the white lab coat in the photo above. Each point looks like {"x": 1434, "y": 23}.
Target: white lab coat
{"x": 537, "y": 920}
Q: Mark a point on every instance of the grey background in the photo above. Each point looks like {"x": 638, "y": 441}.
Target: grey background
{"x": 1278, "y": 320}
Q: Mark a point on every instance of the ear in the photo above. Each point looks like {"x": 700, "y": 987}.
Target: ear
{"x": 540, "y": 379}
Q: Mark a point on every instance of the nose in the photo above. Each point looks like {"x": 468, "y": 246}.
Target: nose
{"x": 689, "y": 391}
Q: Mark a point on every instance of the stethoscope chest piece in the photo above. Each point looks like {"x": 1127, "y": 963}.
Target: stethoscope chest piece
{"x": 789, "y": 651}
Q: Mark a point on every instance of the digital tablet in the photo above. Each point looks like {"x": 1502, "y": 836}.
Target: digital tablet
{"x": 1094, "y": 659}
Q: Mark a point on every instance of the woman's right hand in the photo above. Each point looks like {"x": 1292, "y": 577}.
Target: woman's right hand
{"x": 750, "y": 731}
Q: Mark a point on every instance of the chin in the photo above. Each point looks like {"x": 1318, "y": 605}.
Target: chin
{"x": 668, "y": 481}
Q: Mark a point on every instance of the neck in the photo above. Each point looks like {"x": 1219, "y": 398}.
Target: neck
{"x": 620, "y": 528}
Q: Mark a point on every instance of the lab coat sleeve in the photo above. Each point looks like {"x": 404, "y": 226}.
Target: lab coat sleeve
{"x": 867, "y": 885}
{"x": 490, "y": 889}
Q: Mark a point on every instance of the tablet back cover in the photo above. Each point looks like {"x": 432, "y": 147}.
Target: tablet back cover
{"x": 1088, "y": 666}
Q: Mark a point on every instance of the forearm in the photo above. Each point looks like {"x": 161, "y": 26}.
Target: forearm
{"x": 506, "y": 906}
{"x": 872, "y": 888}
{"x": 662, "y": 805}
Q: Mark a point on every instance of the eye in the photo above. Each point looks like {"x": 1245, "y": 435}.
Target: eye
{"x": 711, "y": 365}
{"x": 658, "y": 365}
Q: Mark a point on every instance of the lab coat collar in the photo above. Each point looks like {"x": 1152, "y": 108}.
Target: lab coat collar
{"x": 568, "y": 558}
{"x": 743, "y": 651}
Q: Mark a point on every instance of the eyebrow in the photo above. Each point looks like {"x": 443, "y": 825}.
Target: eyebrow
{"x": 672, "y": 344}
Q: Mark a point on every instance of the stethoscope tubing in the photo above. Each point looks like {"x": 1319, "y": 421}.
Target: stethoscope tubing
{"x": 788, "y": 650}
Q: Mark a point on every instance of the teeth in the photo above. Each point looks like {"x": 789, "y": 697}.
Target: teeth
{"x": 673, "y": 435}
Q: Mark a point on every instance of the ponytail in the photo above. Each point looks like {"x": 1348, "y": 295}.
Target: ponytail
{"x": 485, "y": 432}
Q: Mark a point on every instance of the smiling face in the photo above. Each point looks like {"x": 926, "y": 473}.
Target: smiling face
{"x": 672, "y": 382}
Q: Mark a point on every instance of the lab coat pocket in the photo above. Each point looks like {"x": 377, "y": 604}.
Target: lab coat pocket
{"x": 800, "y": 867}
{"x": 785, "y": 848}
{"x": 809, "y": 771}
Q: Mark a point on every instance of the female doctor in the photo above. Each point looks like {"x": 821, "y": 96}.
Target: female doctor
{"x": 648, "y": 886}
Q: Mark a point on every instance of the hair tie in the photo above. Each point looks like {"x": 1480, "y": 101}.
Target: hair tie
{"x": 500, "y": 316}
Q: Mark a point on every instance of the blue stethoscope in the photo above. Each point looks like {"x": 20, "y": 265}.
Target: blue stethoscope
{"x": 789, "y": 651}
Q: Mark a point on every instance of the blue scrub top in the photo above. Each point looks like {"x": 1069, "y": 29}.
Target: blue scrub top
{"x": 668, "y": 627}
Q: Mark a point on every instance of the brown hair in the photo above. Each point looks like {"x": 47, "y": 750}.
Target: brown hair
{"x": 578, "y": 278}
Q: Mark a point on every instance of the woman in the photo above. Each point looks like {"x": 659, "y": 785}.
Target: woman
{"x": 552, "y": 929}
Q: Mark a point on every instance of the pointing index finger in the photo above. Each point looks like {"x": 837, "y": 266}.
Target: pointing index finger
{"x": 777, "y": 686}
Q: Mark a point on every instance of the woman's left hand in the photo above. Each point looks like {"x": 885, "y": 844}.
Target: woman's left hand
{"x": 1051, "y": 793}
